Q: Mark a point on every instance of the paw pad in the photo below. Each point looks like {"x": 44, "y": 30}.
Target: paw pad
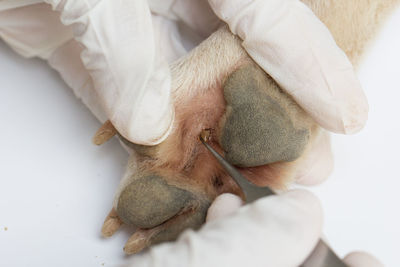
{"x": 258, "y": 127}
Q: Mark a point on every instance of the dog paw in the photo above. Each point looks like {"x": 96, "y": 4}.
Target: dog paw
{"x": 256, "y": 126}
{"x": 160, "y": 206}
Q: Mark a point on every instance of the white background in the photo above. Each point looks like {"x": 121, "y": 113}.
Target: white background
{"x": 56, "y": 187}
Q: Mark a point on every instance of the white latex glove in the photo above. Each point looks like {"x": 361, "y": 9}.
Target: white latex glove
{"x": 278, "y": 231}
{"x": 333, "y": 104}
{"x": 293, "y": 46}
{"x": 113, "y": 60}
{"x": 116, "y": 62}
{"x": 132, "y": 81}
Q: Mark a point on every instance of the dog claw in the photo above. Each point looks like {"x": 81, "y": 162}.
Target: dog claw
{"x": 111, "y": 224}
{"x": 104, "y": 133}
{"x": 138, "y": 241}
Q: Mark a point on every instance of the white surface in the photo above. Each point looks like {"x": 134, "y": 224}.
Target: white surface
{"x": 56, "y": 187}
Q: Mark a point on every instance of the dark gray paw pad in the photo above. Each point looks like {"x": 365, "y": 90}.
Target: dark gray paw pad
{"x": 258, "y": 128}
{"x": 149, "y": 201}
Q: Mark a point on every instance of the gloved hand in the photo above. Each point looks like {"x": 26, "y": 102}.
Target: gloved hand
{"x": 293, "y": 46}
{"x": 125, "y": 49}
{"x": 130, "y": 77}
{"x": 112, "y": 60}
{"x": 279, "y": 230}
{"x": 313, "y": 70}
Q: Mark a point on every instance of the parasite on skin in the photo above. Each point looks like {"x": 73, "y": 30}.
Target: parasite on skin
{"x": 205, "y": 135}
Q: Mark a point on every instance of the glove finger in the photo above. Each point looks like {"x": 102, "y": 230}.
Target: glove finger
{"x": 223, "y": 206}
{"x": 118, "y": 40}
{"x": 361, "y": 259}
{"x": 167, "y": 38}
{"x": 300, "y": 54}
{"x": 279, "y": 230}
{"x": 193, "y": 14}
{"x": 67, "y": 62}
{"x": 318, "y": 163}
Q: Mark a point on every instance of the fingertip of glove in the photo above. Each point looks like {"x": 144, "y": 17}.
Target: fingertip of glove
{"x": 345, "y": 120}
{"x": 356, "y": 123}
{"x": 354, "y": 109}
{"x": 361, "y": 259}
{"x": 318, "y": 173}
{"x": 318, "y": 164}
{"x": 348, "y": 115}
{"x": 356, "y": 114}
{"x": 223, "y": 206}
{"x": 146, "y": 132}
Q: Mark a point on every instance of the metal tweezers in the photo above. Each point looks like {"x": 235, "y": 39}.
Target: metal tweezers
{"x": 321, "y": 256}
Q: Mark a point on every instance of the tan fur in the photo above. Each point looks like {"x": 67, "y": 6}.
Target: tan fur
{"x": 353, "y": 23}
{"x": 206, "y": 65}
